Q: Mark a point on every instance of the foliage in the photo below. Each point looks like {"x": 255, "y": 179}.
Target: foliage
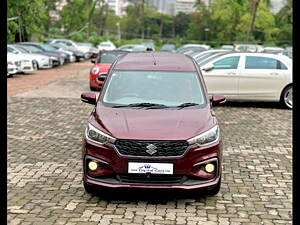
{"x": 32, "y": 15}
{"x": 224, "y": 22}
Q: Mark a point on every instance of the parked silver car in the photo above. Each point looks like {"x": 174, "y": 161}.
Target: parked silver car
{"x": 41, "y": 61}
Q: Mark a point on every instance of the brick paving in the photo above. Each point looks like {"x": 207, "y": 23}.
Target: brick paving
{"x": 22, "y": 83}
{"x": 44, "y": 173}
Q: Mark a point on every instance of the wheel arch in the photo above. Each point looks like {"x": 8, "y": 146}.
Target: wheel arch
{"x": 283, "y": 89}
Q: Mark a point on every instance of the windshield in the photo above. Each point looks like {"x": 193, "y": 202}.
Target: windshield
{"x": 203, "y": 61}
{"x": 48, "y": 47}
{"x": 153, "y": 87}
{"x": 109, "y": 57}
{"x": 105, "y": 44}
{"x": 31, "y": 48}
{"x": 22, "y": 50}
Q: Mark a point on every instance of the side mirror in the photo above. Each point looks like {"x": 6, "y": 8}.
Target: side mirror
{"x": 217, "y": 100}
{"x": 88, "y": 97}
{"x": 93, "y": 60}
{"x": 208, "y": 67}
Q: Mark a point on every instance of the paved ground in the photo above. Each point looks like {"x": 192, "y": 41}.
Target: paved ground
{"x": 45, "y": 128}
{"x": 22, "y": 83}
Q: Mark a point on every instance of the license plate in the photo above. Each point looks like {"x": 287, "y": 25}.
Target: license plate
{"x": 153, "y": 168}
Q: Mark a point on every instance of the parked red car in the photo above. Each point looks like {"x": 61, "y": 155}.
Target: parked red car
{"x": 99, "y": 71}
{"x": 153, "y": 127}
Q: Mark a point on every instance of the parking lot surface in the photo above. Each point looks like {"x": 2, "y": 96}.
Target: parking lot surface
{"x": 45, "y": 128}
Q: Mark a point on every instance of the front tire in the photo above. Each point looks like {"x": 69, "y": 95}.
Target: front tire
{"x": 287, "y": 97}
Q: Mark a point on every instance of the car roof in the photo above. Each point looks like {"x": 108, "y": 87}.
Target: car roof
{"x": 156, "y": 61}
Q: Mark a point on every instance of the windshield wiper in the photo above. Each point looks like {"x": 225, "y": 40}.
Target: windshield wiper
{"x": 142, "y": 104}
{"x": 186, "y": 104}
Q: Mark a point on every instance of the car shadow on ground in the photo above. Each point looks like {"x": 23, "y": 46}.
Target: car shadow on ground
{"x": 153, "y": 196}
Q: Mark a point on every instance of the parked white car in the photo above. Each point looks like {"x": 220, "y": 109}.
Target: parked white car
{"x": 40, "y": 61}
{"x": 11, "y": 68}
{"x": 24, "y": 65}
{"x": 106, "y": 45}
{"x": 250, "y": 77}
{"x": 248, "y": 48}
{"x": 207, "y": 47}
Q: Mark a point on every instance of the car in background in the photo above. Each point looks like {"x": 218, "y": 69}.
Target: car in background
{"x": 288, "y": 51}
{"x": 190, "y": 50}
{"x": 168, "y": 48}
{"x": 102, "y": 65}
{"x": 251, "y": 77}
{"x": 57, "y": 58}
{"x": 140, "y": 48}
{"x": 93, "y": 50}
{"x": 206, "y": 54}
{"x": 149, "y": 46}
{"x": 70, "y": 54}
{"x": 106, "y": 46}
{"x": 227, "y": 47}
{"x": 73, "y": 44}
{"x": 202, "y": 60}
{"x": 12, "y": 65}
{"x": 152, "y": 127}
{"x": 40, "y": 61}
{"x": 128, "y": 47}
{"x": 79, "y": 55}
{"x": 273, "y": 50}
{"x": 11, "y": 68}
{"x": 248, "y": 48}
{"x": 207, "y": 47}
{"x": 23, "y": 64}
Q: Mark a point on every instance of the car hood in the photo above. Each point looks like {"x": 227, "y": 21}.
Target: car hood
{"x": 152, "y": 124}
{"x": 37, "y": 56}
{"x": 103, "y": 67}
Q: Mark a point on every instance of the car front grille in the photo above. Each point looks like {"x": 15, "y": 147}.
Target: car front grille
{"x": 150, "y": 179}
{"x": 143, "y": 148}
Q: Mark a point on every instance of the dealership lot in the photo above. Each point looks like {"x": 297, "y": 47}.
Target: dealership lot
{"x": 45, "y": 126}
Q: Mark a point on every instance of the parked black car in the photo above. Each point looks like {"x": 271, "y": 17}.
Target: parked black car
{"x": 59, "y": 58}
{"x": 79, "y": 55}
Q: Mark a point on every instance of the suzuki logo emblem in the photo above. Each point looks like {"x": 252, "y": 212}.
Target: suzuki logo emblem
{"x": 151, "y": 149}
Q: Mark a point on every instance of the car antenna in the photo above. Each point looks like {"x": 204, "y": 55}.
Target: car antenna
{"x": 154, "y": 61}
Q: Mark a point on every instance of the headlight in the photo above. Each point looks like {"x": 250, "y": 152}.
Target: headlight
{"x": 53, "y": 58}
{"x": 9, "y": 63}
{"x": 95, "y": 70}
{"x": 97, "y": 136}
{"x": 208, "y": 137}
{"x": 44, "y": 59}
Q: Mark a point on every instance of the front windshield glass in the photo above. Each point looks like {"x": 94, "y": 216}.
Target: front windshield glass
{"x": 48, "y": 47}
{"x": 157, "y": 87}
{"x": 31, "y": 48}
{"x": 22, "y": 50}
{"x": 206, "y": 60}
{"x": 109, "y": 57}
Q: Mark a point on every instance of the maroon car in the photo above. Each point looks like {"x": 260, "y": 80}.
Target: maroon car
{"x": 153, "y": 127}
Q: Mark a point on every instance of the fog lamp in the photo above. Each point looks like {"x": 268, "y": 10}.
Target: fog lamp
{"x": 209, "y": 167}
{"x": 93, "y": 165}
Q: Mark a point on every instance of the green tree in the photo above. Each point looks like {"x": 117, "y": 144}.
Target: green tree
{"x": 32, "y": 13}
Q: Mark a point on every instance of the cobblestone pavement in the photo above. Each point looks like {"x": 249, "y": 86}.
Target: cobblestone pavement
{"x": 22, "y": 83}
{"x": 44, "y": 174}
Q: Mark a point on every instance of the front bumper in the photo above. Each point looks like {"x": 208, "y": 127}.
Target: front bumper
{"x": 185, "y": 174}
